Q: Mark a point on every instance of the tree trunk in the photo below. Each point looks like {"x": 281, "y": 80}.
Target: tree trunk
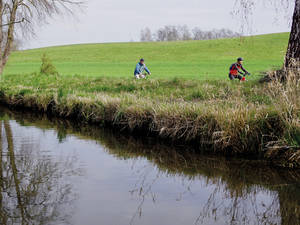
{"x": 1, "y": 36}
{"x": 2, "y": 212}
{"x": 292, "y": 59}
{"x": 1, "y": 68}
{"x": 10, "y": 36}
{"x": 11, "y": 153}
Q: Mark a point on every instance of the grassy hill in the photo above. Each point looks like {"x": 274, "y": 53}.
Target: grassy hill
{"x": 189, "y": 59}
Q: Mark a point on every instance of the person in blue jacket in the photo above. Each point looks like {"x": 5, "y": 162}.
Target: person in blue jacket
{"x": 139, "y": 70}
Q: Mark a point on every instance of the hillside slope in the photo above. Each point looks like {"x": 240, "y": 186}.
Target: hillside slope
{"x": 190, "y": 59}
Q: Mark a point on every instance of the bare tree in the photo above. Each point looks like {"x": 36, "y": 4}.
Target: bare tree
{"x": 172, "y": 33}
{"x": 161, "y": 35}
{"x": 22, "y": 15}
{"x": 16, "y": 45}
{"x": 293, "y": 52}
{"x": 146, "y": 35}
{"x": 197, "y": 33}
{"x": 183, "y": 33}
{"x": 34, "y": 189}
{"x": 244, "y": 8}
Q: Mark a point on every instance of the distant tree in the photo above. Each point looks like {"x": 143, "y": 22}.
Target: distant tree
{"x": 226, "y": 33}
{"x": 172, "y": 33}
{"x": 182, "y": 33}
{"x": 210, "y": 35}
{"x": 161, "y": 35}
{"x": 167, "y": 33}
{"x": 21, "y": 15}
{"x": 146, "y": 35}
{"x": 197, "y": 33}
{"x": 292, "y": 60}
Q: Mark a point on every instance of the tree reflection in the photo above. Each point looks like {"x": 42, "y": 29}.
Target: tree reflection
{"x": 237, "y": 187}
{"x": 34, "y": 188}
{"x": 244, "y": 192}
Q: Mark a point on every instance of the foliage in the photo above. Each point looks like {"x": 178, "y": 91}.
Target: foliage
{"x": 47, "y": 67}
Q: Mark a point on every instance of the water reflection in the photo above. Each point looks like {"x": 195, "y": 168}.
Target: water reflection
{"x": 238, "y": 188}
{"x": 199, "y": 189}
{"x": 34, "y": 188}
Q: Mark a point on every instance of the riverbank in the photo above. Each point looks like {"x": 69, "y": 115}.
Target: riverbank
{"x": 249, "y": 119}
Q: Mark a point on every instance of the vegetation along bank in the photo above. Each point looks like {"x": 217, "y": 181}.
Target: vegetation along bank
{"x": 249, "y": 119}
{"x": 252, "y": 119}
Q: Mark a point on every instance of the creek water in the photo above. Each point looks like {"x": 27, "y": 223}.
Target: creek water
{"x": 58, "y": 172}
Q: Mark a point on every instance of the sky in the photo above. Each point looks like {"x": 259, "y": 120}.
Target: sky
{"x": 121, "y": 21}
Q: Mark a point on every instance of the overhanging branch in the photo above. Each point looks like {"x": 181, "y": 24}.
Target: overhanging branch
{"x": 7, "y": 24}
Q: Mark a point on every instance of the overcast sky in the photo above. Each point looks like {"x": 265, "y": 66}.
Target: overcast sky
{"x": 122, "y": 20}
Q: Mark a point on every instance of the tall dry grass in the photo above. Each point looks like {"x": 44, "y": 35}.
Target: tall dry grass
{"x": 259, "y": 120}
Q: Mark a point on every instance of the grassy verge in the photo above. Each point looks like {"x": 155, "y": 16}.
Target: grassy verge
{"x": 221, "y": 116}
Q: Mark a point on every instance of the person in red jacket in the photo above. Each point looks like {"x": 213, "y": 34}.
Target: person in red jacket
{"x": 235, "y": 70}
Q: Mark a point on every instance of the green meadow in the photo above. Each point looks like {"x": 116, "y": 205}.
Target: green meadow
{"x": 186, "y": 59}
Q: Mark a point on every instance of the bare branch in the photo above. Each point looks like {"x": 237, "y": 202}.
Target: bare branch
{"x": 21, "y": 16}
{"x": 20, "y": 21}
{"x": 244, "y": 8}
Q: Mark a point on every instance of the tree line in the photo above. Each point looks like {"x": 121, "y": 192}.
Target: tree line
{"x": 183, "y": 33}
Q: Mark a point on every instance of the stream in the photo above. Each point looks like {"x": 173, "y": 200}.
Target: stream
{"x": 58, "y": 172}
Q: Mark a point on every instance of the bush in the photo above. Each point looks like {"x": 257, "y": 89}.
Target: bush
{"x": 47, "y": 67}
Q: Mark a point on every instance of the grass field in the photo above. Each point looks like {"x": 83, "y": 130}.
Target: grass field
{"x": 189, "y": 59}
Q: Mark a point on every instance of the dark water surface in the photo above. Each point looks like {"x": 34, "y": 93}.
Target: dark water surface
{"x": 54, "y": 172}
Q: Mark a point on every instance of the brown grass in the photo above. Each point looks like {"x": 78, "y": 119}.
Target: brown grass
{"x": 250, "y": 119}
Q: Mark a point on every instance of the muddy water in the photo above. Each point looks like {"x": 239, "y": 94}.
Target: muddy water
{"x": 55, "y": 172}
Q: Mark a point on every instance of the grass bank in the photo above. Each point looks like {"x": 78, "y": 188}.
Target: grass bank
{"x": 250, "y": 119}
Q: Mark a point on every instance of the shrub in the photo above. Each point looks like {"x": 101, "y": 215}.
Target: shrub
{"x": 47, "y": 67}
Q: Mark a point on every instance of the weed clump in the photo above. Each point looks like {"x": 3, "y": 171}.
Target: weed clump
{"x": 47, "y": 66}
